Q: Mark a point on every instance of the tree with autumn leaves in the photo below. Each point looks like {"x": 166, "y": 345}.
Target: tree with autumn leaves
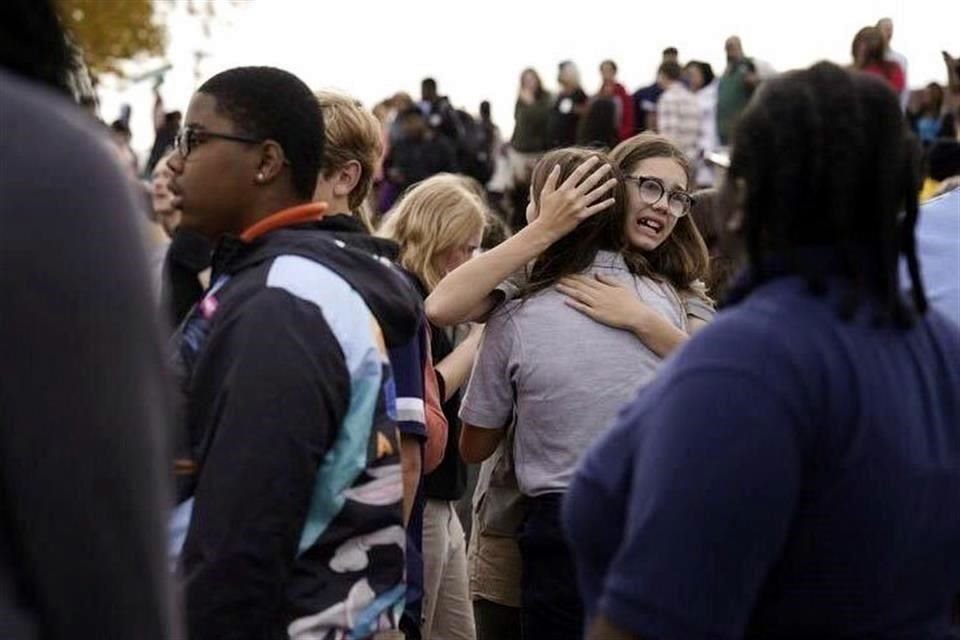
{"x": 108, "y": 32}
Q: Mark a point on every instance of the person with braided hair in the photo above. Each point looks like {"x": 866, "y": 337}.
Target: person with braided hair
{"x": 790, "y": 472}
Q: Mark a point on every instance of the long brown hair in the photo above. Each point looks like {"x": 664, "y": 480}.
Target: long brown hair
{"x": 682, "y": 258}
{"x": 576, "y": 251}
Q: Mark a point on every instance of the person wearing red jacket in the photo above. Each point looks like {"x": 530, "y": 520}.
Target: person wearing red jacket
{"x": 869, "y": 51}
{"x": 611, "y": 88}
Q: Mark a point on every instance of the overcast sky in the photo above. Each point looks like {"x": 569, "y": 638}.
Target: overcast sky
{"x": 476, "y": 50}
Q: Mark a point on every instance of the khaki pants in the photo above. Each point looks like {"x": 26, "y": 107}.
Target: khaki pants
{"x": 447, "y": 610}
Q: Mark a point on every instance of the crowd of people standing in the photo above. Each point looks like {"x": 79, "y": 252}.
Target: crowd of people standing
{"x": 688, "y": 102}
{"x": 351, "y": 326}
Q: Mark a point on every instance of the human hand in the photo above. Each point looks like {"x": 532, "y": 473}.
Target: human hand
{"x": 606, "y": 300}
{"x": 563, "y": 207}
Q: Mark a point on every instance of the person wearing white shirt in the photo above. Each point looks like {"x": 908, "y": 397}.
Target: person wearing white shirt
{"x": 703, "y": 83}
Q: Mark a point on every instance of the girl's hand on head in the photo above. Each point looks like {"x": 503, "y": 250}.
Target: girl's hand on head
{"x": 580, "y": 196}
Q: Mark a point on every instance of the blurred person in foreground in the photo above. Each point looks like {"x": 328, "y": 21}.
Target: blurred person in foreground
{"x": 786, "y": 475}
{"x": 84, "y": 410}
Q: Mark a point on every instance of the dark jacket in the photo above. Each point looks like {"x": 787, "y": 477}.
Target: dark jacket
{"x": 290, "y": 461}
{"x": 449, "y": 480}
{"x": 530, "y": 131}
{"x": 418, "y": 160}
{"x": 187, "y": 256}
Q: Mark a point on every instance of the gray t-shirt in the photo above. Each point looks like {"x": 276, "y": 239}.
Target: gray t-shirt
{"x": 565, "y": 375}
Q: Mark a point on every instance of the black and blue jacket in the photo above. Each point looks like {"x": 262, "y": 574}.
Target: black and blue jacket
{"x": 289, "y": 516}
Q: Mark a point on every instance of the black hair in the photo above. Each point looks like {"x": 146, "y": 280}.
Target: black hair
{"x": 671, "y": 70}
{"x": 828, "y": 162}
{"x": 485, "y": 110}
{"x": 613, "y": 65}
{"x": 935, "y": 108}
{"x": 429, "y": 83}
{"x": 33, "y": 44}
{"x": 705, "y": 70}
{"x": 670, "y": 51}
{"x": 943, "y": 160}
{"x": 271, "y": 104}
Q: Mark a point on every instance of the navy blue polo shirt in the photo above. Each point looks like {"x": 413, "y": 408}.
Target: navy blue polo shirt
{"x": 786, "y": 475}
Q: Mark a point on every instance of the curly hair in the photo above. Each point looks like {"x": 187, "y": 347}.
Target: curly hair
{"x": 272, "y": 104}
{"x": 827, "y": 161}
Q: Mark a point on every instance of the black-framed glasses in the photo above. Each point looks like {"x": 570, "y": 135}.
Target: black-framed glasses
{"x": 189, "y": 138}
{"x": 652, "y": 190}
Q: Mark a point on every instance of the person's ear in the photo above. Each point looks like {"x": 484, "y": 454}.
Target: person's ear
{"x": 271, "y": 162}
{"x": 346, "y": 179}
